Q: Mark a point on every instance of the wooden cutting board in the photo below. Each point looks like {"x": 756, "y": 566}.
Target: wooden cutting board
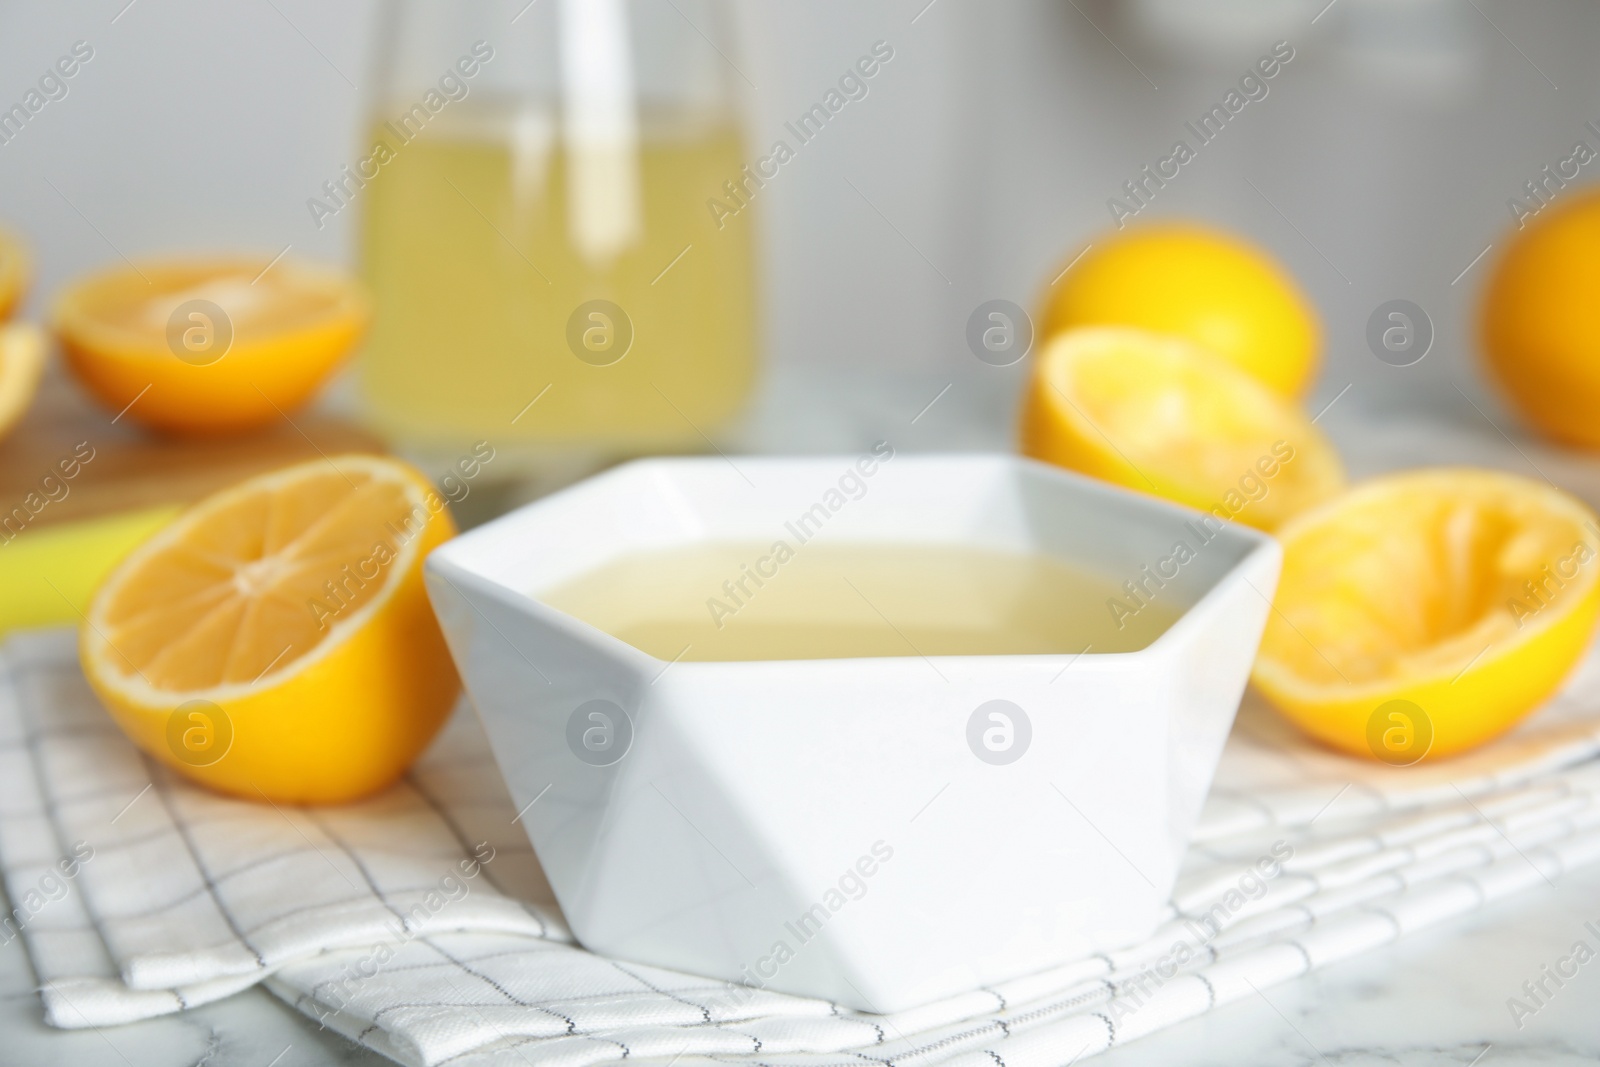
{"x": 133, "y": 469}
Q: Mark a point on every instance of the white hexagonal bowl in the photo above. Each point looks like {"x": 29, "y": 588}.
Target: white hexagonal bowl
{"x": 822, "y": 827}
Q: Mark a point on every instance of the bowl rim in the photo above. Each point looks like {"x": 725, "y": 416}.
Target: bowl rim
{"x": 445, "y": 564}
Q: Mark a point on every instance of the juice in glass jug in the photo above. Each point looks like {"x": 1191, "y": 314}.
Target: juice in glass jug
{"x": 538, "y": 241}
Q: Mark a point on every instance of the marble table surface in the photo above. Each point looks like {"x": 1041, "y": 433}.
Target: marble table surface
{"x": 1436, "y": 997}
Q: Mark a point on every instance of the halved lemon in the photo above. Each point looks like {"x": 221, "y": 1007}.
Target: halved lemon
{"x": 21, "y": 363}
{"x": 15, "y": 270}
{"x": 1423, "y": 613}
{"x": 1160, "y": 414}
{"x": 209, "y": 346}
{"x": 276, "y": 640}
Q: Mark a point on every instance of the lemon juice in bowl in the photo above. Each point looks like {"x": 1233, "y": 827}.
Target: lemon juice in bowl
{"x": 733, "y": 601}
{"x": 536, "y": 232}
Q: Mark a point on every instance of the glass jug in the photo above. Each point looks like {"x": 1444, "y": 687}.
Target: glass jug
{"x": 546, "y": 228}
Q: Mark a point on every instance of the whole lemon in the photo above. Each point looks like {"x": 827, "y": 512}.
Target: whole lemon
{"x": 1541, "y": 320}
{"x": 1210, "y": 287}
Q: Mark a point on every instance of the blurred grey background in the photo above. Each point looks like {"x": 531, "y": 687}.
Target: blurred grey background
{"x": 1378, "y": 166}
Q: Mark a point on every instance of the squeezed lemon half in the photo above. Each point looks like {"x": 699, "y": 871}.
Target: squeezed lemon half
{"x": 21, "y": 365}
{"x": 1160, "y": 414}
{"x": 16, "y": 267}
{"x": 1423, "y": 613}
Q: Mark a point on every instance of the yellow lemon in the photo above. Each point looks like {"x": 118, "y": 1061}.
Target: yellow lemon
{"x": 1426, "y": 612}
{"x": 208, "y": 347}
{"x": 276, "y": 640}
{"x": 1215, "y": 289}
{"x": 49, "y": 576}
{"x": 21, "y": 364}
{"x": 1541, "y": 334}
{"x": 1163, "y": 415}
{"x": 15, "y": 271}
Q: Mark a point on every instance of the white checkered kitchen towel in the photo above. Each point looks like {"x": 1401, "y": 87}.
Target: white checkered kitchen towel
{"x": 418, "y": 923}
